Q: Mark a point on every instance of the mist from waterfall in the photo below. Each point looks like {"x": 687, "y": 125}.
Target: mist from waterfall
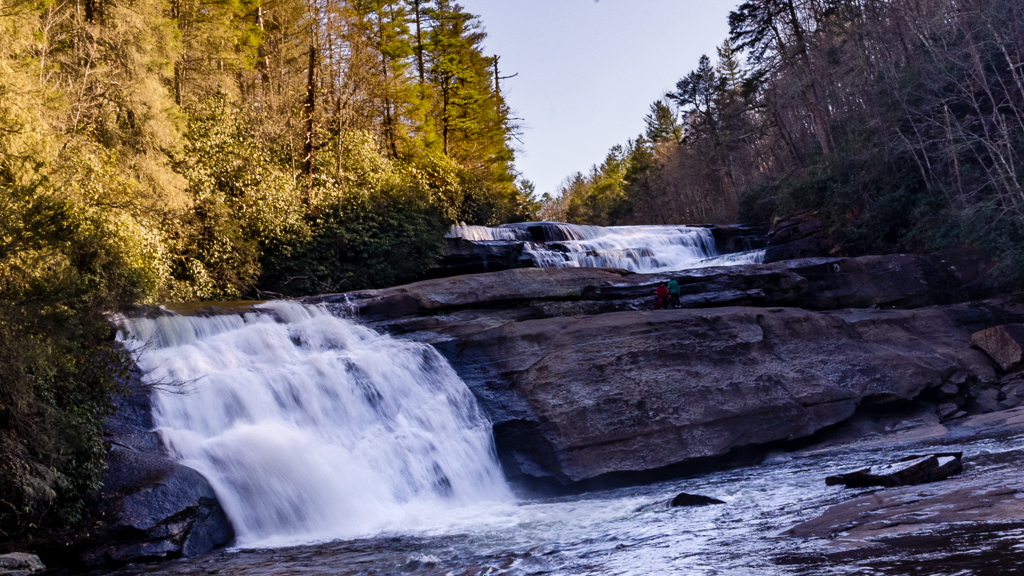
{"x": 644, "y": 249}
{"x": 310, "y": 427}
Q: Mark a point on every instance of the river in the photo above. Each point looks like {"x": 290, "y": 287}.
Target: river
{"x": 619, "y": 532}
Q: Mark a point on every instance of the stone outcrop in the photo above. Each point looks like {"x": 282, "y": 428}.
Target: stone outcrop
{"x": 583, "y": 381}
{"x": 150, "y": 507}
{"x": 986, "y": 497}
{"x": 798, "y": 235}
{"x": 581, "y": 397}
{"x": 896, "y": 281}
{"x": 683, "y": 499}
{"x": 739, "y": 238}
{"x": 474, "y": 257}
{"x": 1005, "y": 344}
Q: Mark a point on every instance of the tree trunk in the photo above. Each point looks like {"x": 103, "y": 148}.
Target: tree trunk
{"x": 310, "y": 125}
{"x": 419, "y": 45}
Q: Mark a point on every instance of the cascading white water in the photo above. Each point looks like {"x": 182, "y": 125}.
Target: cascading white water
{"x": 311, "y": 427}
{"x": 644, "y": 249}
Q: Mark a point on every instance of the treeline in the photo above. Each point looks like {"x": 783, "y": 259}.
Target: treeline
{"x": 900, "y": 122}
{"x": 178, "y": 150}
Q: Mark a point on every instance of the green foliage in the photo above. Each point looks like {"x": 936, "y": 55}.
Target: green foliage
{"x": 61, "y": 269}
{"x": 360, "y": 240}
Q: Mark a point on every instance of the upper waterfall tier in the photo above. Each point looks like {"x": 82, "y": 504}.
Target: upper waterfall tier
{"x": 311, "y": 427}
{"x": 644, "y": 249}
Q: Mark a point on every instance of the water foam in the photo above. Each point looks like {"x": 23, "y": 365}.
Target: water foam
{"x": 311, "y": 427}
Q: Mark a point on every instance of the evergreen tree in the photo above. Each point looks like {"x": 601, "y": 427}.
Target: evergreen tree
{"x": 663, "y": 122}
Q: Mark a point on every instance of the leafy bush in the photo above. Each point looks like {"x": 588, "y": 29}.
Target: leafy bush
{"x": 62, "y": 267}
{"x": 361, "y": 240}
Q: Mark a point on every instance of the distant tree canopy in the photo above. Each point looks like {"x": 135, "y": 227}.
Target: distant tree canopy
{"x": 161, "y": 150}
{"x": 900, "y": 122}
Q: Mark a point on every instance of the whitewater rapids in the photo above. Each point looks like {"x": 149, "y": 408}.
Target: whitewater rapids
{"x": 311, "y": 427}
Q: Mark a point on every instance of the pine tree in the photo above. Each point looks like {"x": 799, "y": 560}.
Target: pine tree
{"x": 663, "y": 122}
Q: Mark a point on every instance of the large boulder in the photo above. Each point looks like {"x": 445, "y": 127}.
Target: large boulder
{"x": 1005, "y": 344}
{"x": 153, "y": 508}
{"x": 150, "y": 507}
{"x": 577, "y": 398}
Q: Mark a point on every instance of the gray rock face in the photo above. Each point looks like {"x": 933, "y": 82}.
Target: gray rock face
{"x": 1005, "y": 344}
{"x": 577, "y": 398}
{"x": 150, "y": 507}
{"x": 897, "y": 281}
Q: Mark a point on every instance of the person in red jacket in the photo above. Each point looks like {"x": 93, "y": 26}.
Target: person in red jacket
{"x": 660, "y": 296}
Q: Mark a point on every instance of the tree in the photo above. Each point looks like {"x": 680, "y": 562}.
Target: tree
{"x": 777, "y": 36}
{"x": 663, "y": 122}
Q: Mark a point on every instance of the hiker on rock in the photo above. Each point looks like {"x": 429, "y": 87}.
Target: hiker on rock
{"x": 673, "y": 294}
{"x": 660, "y": 296}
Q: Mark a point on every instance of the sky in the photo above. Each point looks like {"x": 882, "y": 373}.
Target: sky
{"x": 589, "y": 70}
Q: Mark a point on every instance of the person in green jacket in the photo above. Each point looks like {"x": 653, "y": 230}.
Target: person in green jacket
{"x": 673, "y": 294}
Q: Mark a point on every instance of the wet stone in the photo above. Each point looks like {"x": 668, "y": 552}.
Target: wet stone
{"x": 20, "y": 563}
{"x": 685, "y": 500}
{"x": 907, "y": 472}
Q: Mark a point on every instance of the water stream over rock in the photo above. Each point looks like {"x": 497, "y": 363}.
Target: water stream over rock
{"x": 645, "y": 249}
{"x": 311, "y": 427}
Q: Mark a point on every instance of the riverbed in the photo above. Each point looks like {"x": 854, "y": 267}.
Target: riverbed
{"x": 630, "y": 531}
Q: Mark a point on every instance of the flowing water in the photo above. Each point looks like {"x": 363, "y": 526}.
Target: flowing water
{"x": 645, "y": 249}
{"x": 336, "y": 450}
{"x": 311, "y": 427}
{"x": 624, "y": 532}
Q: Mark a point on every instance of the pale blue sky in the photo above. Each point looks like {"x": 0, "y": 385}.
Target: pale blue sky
{"x": 588, "y": 71}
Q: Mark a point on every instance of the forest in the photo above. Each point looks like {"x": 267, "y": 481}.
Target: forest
{"x": 900, "y": 123}
{"x": 184, "y": 150}
{"x": 158, "y": 151}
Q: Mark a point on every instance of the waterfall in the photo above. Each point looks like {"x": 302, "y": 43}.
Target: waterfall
{"x": 644, "y": 249}
{"x": 311, "y": 427}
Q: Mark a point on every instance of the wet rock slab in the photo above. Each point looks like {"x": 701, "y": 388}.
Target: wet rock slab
{"x": 909, "y": 471}
{"x": 149, "y": 507}
{"x": 987, "y": 496}
{"x": 684, "y": 500}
